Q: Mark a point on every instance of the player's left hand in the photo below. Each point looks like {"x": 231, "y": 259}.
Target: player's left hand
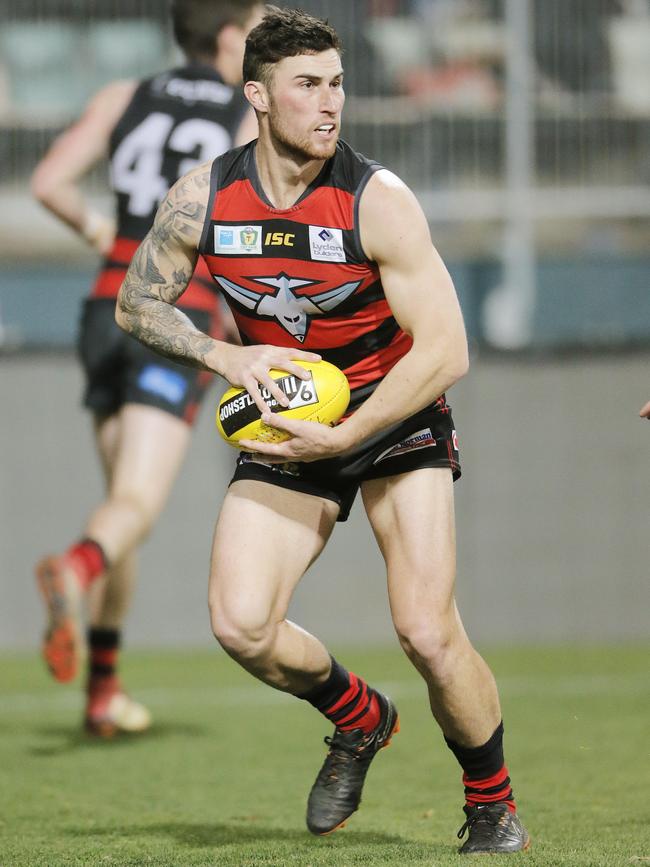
{"x": 310, "y": 441}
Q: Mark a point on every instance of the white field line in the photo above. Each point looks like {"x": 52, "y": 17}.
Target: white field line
{"x": 212, "y": 695}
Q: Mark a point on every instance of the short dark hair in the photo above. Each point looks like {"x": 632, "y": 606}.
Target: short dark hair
{"x": 197, "y": 23}
{"x": 285, "y": 33}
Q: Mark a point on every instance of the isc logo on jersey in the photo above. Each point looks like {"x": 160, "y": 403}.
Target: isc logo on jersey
{"x": 323, "y": 397}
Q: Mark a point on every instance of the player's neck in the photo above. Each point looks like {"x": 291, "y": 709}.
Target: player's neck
{"x": 283, "y": 175}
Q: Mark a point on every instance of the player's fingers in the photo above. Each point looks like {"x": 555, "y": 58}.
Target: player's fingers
{"x": 277, "y": 420}
{"x": 267, "y": 382}
{"x": 290, "y": 356}
{"x": 304, "y": 355}
{"x": 252, "y": 386}
{"x": 270, "y": 451}
{"x": 644, "y": 412}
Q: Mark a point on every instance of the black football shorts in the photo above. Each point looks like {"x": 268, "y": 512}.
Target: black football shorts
{"x": 119, "y": 369}
{"x": 426, "y": 439}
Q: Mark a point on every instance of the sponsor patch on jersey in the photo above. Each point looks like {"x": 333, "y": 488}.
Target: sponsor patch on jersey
{"x": 237, "y": 240}
{"x": 326, "y": 245}
{"x": 421, "y": 439}
{"x": 168, "y": 384}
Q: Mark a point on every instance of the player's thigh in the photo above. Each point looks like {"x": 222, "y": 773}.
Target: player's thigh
{"x": 265, "y": 539}
{"x": 412, "y": 517}
{"x": 151, "y": 446}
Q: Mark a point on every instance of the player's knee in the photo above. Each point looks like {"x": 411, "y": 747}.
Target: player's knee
{"x": 430, "y": 645}
{"x": 242, "y": 638}
{"x": 142, "y": 512}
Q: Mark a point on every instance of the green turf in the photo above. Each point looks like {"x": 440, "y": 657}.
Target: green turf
{"x": 223, "y": 777}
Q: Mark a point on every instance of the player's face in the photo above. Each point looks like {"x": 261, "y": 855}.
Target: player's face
{"x": 305, "y": 102}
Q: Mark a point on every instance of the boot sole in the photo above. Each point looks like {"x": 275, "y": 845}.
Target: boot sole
{"x": 60, "y": 646}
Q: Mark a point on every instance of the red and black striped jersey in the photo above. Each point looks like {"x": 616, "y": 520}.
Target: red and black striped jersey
{"x": 174, "y": 121}
{"x": 298, "y": 276}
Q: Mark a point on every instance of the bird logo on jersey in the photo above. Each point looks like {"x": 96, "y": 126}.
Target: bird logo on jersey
{"x": 293, "y": 312}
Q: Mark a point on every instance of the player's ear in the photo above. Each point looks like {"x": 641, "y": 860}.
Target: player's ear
{"x": 257, "y": 94}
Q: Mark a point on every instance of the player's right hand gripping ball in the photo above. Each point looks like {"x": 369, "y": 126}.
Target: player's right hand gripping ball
{"x": 323, "y": 397}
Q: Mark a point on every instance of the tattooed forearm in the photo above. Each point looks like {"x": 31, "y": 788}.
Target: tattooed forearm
{"x": 164, "y": 328}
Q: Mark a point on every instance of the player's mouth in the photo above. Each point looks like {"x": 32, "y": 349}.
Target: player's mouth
{"x": 326, "y": 130}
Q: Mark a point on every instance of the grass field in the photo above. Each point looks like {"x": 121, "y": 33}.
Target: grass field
{"x": 223, "y": 777}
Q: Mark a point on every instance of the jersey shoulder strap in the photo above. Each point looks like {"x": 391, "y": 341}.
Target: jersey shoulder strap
{"x": 351, "y": 172}
{"x": 226, "y": 169}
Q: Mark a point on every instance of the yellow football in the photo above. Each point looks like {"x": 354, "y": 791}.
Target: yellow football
{"x": 323, "y": 397}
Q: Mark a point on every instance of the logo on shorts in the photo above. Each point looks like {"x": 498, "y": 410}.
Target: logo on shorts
{"x": 422, "y": 439}
{"x": 454, "y": 440}
{"x": 326, "y": 245}
{"x": 288, "y": 469}
{"x": 237, "y": 240}
{"x": 167, "y": 384}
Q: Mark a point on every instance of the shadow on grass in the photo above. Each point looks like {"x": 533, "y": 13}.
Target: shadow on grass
{"x": 216, "y": 835}
{"x": 71, "y": 739}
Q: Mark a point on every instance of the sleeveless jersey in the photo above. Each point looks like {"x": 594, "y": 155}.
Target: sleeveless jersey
{"x": 298, "y": 277}
{"x": 175, "y": 121}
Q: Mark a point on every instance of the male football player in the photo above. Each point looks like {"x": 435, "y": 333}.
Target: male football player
{"x": 397, "y": 332}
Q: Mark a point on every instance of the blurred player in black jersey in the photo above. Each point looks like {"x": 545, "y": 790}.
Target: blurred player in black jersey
{"x": 143, "y": 406}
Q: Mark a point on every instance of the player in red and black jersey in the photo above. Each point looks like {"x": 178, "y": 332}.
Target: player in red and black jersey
{"x": 323, "y": 254}
{"x": 143, "y": 405}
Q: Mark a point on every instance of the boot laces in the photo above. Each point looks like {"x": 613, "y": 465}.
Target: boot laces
{"x": 340, "y": 754}
{"x": 478, "y": 816}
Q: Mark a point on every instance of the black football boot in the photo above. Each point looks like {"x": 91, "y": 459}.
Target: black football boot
{"x": 336, "y": 794}
{"x": 492, "y": 828}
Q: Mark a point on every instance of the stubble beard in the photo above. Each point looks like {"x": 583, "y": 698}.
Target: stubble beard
{"x": 298, "y": 148}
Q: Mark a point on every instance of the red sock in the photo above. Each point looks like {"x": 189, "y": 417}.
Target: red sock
{"x": 88, "y": 560}
{"x": 346, "y": 700}
{"x": 103, "y": 652}
{"x": 489, "y": 790}
{"x": 485, "y": 775}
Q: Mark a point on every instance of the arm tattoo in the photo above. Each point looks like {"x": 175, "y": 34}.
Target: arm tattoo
{"x": 159, "y": 274}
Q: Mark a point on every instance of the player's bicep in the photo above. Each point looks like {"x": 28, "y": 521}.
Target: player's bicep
{"x": 163, "y": 264}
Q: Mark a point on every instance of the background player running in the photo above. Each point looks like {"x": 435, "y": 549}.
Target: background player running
{"x": 397, "y": 331}
{"x": 143, "y": 406}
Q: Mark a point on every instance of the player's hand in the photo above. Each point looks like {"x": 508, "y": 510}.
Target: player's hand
{"x": 310, "y": 440}
{"x": 99, "y": 231}
{"x": 644, "y": 412}
{"x": 248, "y": 367}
